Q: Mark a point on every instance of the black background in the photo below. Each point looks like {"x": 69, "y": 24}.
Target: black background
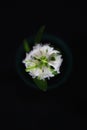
{"x": 60, "y": 108}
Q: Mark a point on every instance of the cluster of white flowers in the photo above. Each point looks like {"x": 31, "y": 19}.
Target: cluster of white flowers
{"x": 43, "y": 61}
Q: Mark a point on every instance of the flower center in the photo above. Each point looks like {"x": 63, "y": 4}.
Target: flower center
{"x": 43, "y": 60}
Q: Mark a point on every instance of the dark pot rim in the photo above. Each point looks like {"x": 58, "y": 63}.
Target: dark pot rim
{"x": 65, "y": 50}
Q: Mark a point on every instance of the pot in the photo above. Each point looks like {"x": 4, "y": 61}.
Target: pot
{"x": 65, "y": 68}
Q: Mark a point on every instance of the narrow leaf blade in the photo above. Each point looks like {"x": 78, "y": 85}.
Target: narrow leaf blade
{"x": 26, "y": 46}
{"x": 39, "y": 34}
{"x": 42, "y": 84}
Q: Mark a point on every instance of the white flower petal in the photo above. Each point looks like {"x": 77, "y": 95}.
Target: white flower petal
{"x": 57, "y": 63}
{"x": 37, "y": 46}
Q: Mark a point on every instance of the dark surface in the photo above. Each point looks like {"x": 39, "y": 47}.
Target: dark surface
{"x": 61, "y": 108}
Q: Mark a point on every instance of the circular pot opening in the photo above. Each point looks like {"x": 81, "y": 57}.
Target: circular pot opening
{"x": 65, "y": 68}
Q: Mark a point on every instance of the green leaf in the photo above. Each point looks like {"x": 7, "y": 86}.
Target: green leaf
{"x": 42, "y": 84}
{"x": 26, "y": 46}
{"x": 39, "y": 34}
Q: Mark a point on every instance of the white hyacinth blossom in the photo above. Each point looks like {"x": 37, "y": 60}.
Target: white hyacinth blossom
{"x": 43, "y": 62}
